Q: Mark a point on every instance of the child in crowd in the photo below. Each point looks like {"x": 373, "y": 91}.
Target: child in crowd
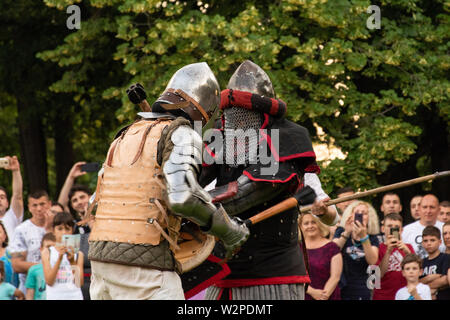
{"x": 10, "y": 276}
{"x": 414, "y": 290}
{"x": 63, "y": 268}
{"x": 436, "y": 265}
{"x": 390, "y": 257}
{"x": 35, "y": 282}
{"x": 7, "y": 290}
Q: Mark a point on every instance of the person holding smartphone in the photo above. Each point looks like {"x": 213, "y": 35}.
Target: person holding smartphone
{"x": 390, "y": 257}
{"x": 75, "y": 199}
{"x": 11, "y": 212}
{"x": 63, "y": 266}
{"x": 356, "y": 236}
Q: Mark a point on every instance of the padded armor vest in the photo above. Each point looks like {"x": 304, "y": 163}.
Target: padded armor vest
{"x": 131, "y": 212}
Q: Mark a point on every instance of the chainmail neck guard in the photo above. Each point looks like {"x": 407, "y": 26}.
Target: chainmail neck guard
{"x": 241, "y": 128}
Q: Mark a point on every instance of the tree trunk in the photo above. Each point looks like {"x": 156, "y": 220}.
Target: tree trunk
{"x": 440, "y": 155}
{"x": 64, "y": 154}
{"x": 33, "y": 147}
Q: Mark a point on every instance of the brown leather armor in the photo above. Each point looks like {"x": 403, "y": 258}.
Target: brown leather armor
{"x": 130, "y": 207}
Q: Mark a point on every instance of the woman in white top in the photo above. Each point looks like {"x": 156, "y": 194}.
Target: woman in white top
{"x": 63, "y": 268}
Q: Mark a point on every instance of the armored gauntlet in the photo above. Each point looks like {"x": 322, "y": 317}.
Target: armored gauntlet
{"x": 232, "y": 231}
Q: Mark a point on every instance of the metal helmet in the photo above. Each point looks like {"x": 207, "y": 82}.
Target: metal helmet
{"x": 195, "y": 90}
{"x": 250, "y": 77}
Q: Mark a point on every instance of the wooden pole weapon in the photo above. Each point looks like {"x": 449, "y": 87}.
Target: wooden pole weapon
{"x": 293, "y": 202}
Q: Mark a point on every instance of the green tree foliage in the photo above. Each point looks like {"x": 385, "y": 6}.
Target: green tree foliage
{"x": 374, "y": 92}
{"x": 24, "y": 81}
{"x": 86, "y": 56}
{"x": 47, "y": 129}
{"x": 8, "y": 133}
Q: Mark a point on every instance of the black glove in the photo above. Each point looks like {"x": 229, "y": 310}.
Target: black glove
{"x": 305, "y": 196}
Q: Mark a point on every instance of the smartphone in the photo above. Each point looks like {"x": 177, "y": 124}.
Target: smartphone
{"x": 90, "y": 167}
{"x": 4, "y": 162}
{"x": 395, "y": 232}
{"x": 71, "y": 240}
{"x": 359, "y": 217}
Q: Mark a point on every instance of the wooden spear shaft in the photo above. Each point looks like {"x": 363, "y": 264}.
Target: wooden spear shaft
{"x": 145, "y": 106}
{"x": 292, "y": 202}
{"x": 382, "y": 189}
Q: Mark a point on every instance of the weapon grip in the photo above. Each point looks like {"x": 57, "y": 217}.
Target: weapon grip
{"x": 305, "y": 196}
{"x": 137, "y": 95}
{"x": 248, "y": 223}
{"x": 145, "y": 106}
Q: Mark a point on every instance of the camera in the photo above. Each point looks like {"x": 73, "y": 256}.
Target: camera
{"x": 4, "y": 162}
{"x": 395, "y": 232}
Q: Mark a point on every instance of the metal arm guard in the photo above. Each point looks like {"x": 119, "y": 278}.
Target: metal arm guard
{"x": 243, "y": 194}
{"x": 187, "y": 198}
{"x": 184, "y": 162}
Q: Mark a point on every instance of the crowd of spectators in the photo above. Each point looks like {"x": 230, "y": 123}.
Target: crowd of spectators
{"x": 33, "y": 258}
{"x": 366, "y": 256}
{"x": 379, "y": 254}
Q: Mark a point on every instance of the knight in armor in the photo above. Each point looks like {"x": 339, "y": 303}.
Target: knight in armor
{"x": 270, "y": 265}
{"x": 148, "y": 184}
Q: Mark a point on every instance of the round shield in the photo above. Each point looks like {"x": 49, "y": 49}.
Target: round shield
{"x": 195, "y": 246}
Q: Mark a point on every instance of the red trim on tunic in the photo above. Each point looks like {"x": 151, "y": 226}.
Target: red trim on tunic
{"x": 306, "y": 154}
{"x": 313, "y": 168}
{"x": 310, "y": 154}
{"x": 266, "y": 180}
{"x": 274, "y": 107}
{"x": 220, "y": 294}
{"x": 211, "y": 281}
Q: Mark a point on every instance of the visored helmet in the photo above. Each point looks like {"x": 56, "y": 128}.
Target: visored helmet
{"x": 193, "y": 90}
{"x": 240, "y": 121}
